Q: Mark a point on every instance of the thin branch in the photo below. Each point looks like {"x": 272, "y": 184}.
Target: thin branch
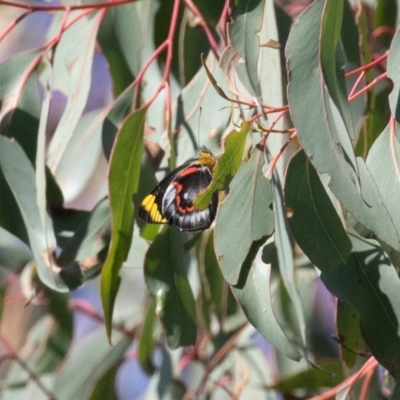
{"x": 370, "y": 364}
{"x": 368, "y": 66}
{"x": 277, "y": 156}
{"x": 14, "y": 23}
{"x": 86, "y": 308}
{"x": 210, "y": 37}
{"x": 35, "y": 378}
{"x": 367, "y": 87}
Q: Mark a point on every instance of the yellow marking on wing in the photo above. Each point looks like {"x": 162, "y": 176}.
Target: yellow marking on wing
{"x": 156, "y": 215}
{"x": 150, "y": 206}
{"x": 148, "y": 201}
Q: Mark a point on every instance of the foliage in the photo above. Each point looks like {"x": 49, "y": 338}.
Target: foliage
{"x": 294, "y": 289}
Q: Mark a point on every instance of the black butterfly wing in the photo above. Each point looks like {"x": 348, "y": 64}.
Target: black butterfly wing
{"x": 150, "y": 210}
{"x": 177, "y": 203}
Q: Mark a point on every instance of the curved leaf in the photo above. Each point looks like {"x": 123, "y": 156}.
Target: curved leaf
{"x": 166, "y": 280}
{"x": 227, "y": 165}
{"x": 394, "y": 74}
{"x": 333, "y": 59}
{"x": 243, "y": 37}
{"x": 315, "y": 224}
{"x": 73, "y": 68}
{"x": 88, "y": 363}
{"x": 253, "y": 293}
{"x": 284, "y": 252}
{"x": 370, "y": 284}
{"x": 244, "y": 217}
{"x": 20, "y": 176}
{"x": 124, "y": 174}
{"x": 322, "y": 132}
{"x": 383, "y": 163}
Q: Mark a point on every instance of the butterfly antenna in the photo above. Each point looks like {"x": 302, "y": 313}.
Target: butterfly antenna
{"x": 198, "y": 131}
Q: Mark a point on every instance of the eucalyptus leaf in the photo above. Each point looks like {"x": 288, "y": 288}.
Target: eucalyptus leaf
{"x": 124, "y": 176}
{"x": 323, "y": 134}
{"x": 20, "y": 176}
{"x": 370, "y": 284}
{"x": 314, "y": 222}
{"x": 166, "y": 280}
{"x": 248, "y": 207}
{"x": 73, "y": 68}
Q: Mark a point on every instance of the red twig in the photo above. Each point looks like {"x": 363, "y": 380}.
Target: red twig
{"x": 224, "y": 17}
{"x": 367, "y": 87}
{"x": 210, "y": 37}
{"x": 86, "y": 308}
{"x": 14, "y": 23}
{"x": 277, "y": 156}
{"x": 370, "y": 364}
{"x": 368, "y": 66}
{"x": 168, "y": 43}
{"x": 13, "y": 355}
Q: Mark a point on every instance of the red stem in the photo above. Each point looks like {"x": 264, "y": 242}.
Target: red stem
{"x": 8, "y": 28}
{"x": 367, "y": 87}
{"x": 368, "y": 66}
{"x": 211, "y": 40}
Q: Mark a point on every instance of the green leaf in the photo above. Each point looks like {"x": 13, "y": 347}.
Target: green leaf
{"x": 109, "y": 34}
{"x": 315, "y": 224}
{"x": 123, "y": 176}
{"x": 167, "y": 282}
{"x": 312, "y": 378}
{"x": 20, "y": 176}
{"x": 83, "y": 255}
{"x": 59, "y": 340}
{"x": 394, "y": 74}
{"x": 147, "y": 341}
{"x": 248, "y": 207}
{"x": 370, "y": 284}
{"x": 106, "y": 386}
{"x": 121, "y": 108}
{"x": 386, "y": 16}
{"x": 216, "y": 298}
{"x": 243, "y": 35}
{"x": 73, "y": 70}
{"x": 92, "y": 358}
{"x": 227, "y": 165}
{"x": 374, "y": 122}
{"x": 80, "y": 159}
{"x": 350, "y": 35}
{"x": 253, "y": 294}
{"x": 333, "y": 60}
{"x": 282, "y": 250}
{"x": 40, "y": 159}
{"x": 383, "y": 163}
{"x": 13, "y": 70}
{"x": 322, "y": 133}
{"x": 200, "y": 99}
{"x": 348, "y": 328}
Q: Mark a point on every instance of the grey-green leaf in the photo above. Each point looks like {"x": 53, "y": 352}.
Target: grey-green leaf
{"x": 244, "y": 217}
{"x": 370, "y": 284}
{"x": 166, "y": 280}
{"x": 323, "y": 134}
{"x": 315, "y": 224}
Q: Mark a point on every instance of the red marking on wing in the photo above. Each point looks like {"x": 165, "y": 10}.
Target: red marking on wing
{"x": 188, "y": 171}
{"x": 180, "y": 209}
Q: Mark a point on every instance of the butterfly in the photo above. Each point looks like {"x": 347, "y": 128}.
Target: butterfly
{"x": 172, "y": 200}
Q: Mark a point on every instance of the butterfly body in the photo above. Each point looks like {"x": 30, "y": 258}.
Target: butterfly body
{"x": 172, "y": 200}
